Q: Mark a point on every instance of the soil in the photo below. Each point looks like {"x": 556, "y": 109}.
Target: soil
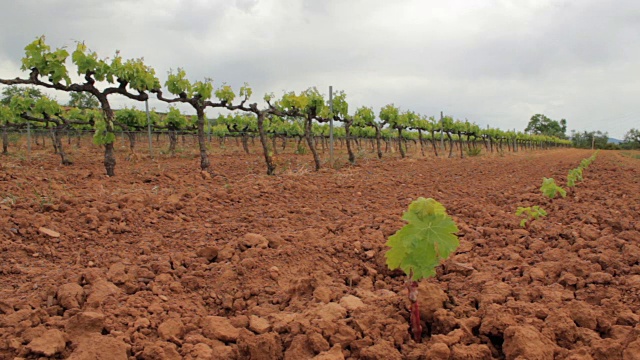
{"x": 164, "y": 262}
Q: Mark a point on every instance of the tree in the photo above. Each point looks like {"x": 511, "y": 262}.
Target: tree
{"x": 542, "y": 125}
{"x": 83, "y": 101}
{"x": 129, "y": 75}
{"x": 586, "y": 139}
{"x": 632, "y": 139}
{"x": 10, "y": 92}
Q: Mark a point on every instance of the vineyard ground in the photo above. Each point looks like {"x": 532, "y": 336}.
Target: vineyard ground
{"x": 163, "y": 262}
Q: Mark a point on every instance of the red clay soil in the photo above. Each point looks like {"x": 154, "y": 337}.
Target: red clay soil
{"x": 163, "y": 262}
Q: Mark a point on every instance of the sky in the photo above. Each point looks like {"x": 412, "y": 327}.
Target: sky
{"x": 492, "y": 62}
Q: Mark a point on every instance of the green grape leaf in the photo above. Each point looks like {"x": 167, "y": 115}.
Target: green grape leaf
{"x": 530, "y": 213}
{"x": 427, "y": 239}
{"x": 102, "y": 136}
{"x": 550, "y": 189}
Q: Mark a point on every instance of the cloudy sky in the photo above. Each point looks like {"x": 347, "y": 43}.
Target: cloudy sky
{"x": 493, "y": 62}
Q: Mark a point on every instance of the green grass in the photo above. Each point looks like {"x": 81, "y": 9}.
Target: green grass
{"x": 633, "y": 155}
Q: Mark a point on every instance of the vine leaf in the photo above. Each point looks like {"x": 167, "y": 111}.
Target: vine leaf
{"x": 550, "y": 189}
{"x": 428, "y": 238}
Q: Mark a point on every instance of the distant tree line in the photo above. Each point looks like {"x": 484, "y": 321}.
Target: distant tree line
{"x": 539, "y": 124}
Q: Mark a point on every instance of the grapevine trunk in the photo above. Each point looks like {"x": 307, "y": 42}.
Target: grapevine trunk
{"x": 311, "y": 142}
{"x": 109, "y": 160}
{"x": 347, "y": 130}
{"x": 5, "y": 140}
{"x": 202, "y": 144}
{"x": 271, "y": 168}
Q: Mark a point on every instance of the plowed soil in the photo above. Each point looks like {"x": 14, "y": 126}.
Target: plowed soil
{"x": 163, "y": 262}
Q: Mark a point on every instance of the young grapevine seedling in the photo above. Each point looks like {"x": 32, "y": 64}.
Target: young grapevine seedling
{"x": 550, "y": 189}
{"x": 530, "y": 213}
{"x": 420, "y": 246}
{"x": 574, "y": 176}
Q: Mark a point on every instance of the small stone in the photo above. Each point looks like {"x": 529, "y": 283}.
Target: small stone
{"x": 202, "y": 351}
{"x": 48, "y": 344}
{"x": 209, "y": 253}
{"x": 259, "y": 325}
{"x": 254, "y": 240}
{"x": 438, "y": 351}
{"x": 381, "y": 350}
{"x": 70, "y": 296}
{"x": 632, "y": 352}
{"x": 332, "y": 312}
{"x": 163, "y": 298}
{"x": 318, "y": 342}
{"x": 334, "y": 354}
{"x": 142, "y": 323}
{"x": 171, "y": 330}
{"x": 161, "y": 350}
{"x": 322, "y": 294}
{"x": 84, "y": 323}
{"x": 117, "y": 273}
{"x": 431, "y": 298}
{"x": 100, "y": 291}
{"x": 526, "y": 342}
{"x": 219, "y": 328}
{"x": 49, "y": 232}
{"x": 456, "y": 267}
{"x": 351, "y": 302}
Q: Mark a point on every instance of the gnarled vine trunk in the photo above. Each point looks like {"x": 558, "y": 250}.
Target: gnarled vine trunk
{"x": 132, "y": 141}
{"x": 311, "y": 142}
{"x": 173, "y": 139}
{"x": 57, "y": 139}
{"x": 245, "y": 142}
{"x": 109, "y": 153}
{"x": 271, "y": 168}
{"x": 450, "y": 145}
{"x": 402, "y": 154}
{"x": 433, "y": 143}
{"x": 347, "y": 130}
{"x": 379, "y": 141}
{"x": 5, "y": 140}
{"x": 202, "y": 144}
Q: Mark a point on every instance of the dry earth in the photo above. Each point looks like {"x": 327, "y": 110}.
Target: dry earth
{"x": 161, "y": 262}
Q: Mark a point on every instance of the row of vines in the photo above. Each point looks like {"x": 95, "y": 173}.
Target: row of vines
{"x": 304, "y": 115}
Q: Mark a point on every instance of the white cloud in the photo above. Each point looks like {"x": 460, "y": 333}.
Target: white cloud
{"x": 494, "y": 62}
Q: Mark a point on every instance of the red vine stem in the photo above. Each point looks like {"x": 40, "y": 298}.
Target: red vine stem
{"x": 416, "y": 328}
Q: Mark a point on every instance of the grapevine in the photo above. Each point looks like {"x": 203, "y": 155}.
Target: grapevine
{"x": 420, "y": 246}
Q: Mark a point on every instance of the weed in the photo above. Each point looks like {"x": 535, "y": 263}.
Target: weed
{"x": 474, "y": 151}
